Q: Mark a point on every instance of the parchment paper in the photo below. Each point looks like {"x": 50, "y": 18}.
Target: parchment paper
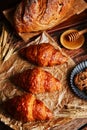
{"x": 64, "y": 104}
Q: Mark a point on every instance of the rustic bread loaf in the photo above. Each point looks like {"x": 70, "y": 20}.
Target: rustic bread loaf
{"x": 37, "y": 15}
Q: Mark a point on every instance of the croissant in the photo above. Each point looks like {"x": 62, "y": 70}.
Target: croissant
{"x": 36, "y": 81}
{"x": 36, "y": 15}
{"x": 43, "y": 55}
{"x": 27, "y": 108}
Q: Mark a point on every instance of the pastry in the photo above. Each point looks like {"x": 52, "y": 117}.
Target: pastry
{"x": 81, "y": 80}
{"x": 27, "y": 108}
{"x": 36, "y": 81}
{"x": 43, "y": 55}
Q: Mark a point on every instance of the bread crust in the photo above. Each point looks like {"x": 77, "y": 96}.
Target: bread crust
{"x": 36, "y": 15}
{"x": 36, "y": 81}
{"x": 43, "y": 55}
{"x": 27, "y": 108}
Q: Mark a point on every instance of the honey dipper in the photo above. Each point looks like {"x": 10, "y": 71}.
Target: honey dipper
{"x": 76, "y": 42}
{"x": 75, "y": 35}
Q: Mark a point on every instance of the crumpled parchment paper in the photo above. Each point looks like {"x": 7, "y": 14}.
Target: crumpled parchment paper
{"x": 64, "y": 104}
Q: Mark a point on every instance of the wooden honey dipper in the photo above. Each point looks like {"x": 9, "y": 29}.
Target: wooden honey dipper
{"x": 75, "y": 35}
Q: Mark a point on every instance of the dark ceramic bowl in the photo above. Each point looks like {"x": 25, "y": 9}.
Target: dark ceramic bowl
{"x": 78, "y": 68}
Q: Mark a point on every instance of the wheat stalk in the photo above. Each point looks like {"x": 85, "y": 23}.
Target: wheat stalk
{"x": 72, "y": 111}
{"x": 6, "y": 45}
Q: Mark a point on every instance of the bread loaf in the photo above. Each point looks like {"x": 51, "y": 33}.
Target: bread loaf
{"x": 37, "y": 15}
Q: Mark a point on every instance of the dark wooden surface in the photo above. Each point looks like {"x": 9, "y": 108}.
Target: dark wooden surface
{"x": 79, "y": 22}
{"x": 5, "y": 4}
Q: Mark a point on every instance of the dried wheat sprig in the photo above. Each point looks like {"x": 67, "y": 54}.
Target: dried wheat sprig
{"x": 71, "y": 106}
{"x": 11, "y": 50}
{"x": 6, "y": 45}
{"x": 5, "y": 35}
{"x": 73, "y": 114}
{"x": 1, "y": 43}
{"x": 74, "y": 111}
{"x": 1, "y": 37}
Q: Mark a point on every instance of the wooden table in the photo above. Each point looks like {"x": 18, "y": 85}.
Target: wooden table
{"x": 78, "y": 22}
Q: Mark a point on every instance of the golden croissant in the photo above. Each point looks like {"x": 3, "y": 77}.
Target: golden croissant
{"x": 27, "y": 108}
{"x": 36, "y": 81}
{"x": 43, "y": 55}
